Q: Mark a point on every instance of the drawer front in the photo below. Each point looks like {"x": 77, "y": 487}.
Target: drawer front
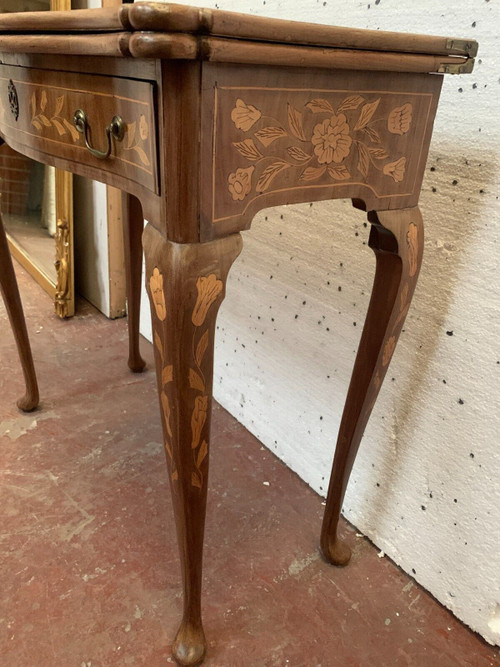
{"x": 37, "y": 109}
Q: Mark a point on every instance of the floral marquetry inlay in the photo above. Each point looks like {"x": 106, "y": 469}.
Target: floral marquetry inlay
{"x": 137, "y": 134}
{"x": 406, "y": 291}
{"x": 244, "y": 115}
{"x": 412, "y": 240}
{"x": 48, "y": 113}
{"x": 54, "y": 114}
{"x": 331, "y": 140}
{"x": 156, "y": 287}
{"x": 316, "y": 142}
{"x": 49, "y": 116}
{"x": 240, "y": 182}
{"x": 208, "y": 289}
{"x": 399, "y": 119}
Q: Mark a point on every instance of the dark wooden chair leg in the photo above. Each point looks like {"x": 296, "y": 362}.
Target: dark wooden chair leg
{"x": 10, "y": 292}
{"x": 397, "y": 238}
{"x": 133, "y": 226}
{"x": 186, "y": 285}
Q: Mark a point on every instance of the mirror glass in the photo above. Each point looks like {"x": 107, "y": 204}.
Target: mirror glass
{"x": 29, "y": 208}
{"x": 29, "y": 191}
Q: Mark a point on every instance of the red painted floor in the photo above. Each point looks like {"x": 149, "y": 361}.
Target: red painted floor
{"x": 89, "y": 575}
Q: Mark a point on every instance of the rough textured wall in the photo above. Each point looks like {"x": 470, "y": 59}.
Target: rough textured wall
{"x": 425, "y": 484}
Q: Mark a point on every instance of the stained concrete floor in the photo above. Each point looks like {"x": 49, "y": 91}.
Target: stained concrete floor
{"x": 89, "y": 574}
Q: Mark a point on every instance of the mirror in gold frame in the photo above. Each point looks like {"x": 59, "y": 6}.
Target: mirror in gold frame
{"x": 37, "y": 206}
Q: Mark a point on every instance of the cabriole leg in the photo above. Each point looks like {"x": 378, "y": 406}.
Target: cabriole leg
{"x": 10, "y": 292}
{"x": 397, "y": 238}
{"x": 186, "y": 285}
{"x": 133, "y": 226}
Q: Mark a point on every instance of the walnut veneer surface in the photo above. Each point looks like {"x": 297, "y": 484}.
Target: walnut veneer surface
{"x": 205, "y": 117}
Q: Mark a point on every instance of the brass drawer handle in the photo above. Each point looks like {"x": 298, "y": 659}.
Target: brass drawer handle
{"x": 115, "y": 130}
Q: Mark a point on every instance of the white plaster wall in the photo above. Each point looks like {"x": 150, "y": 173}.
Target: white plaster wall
{"x": 91, "y": 243}
{"x": 425, "y": 484}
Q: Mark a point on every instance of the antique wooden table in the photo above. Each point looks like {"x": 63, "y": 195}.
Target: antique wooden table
{"x": 207, "y": 117}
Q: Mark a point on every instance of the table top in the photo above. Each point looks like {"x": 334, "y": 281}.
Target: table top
{"x": 159, "y": 19}
{"x": 152, "y": 30}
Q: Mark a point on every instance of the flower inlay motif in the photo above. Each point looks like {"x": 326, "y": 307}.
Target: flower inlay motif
{"x": 331, "y": 139}
{"x": 244, "y": 116}
{"x": 47, "y": 112}
{"x": 396, "y": 169}
{"x": 208, "y": 290}
{"x": 389, "y": 348}
{"x": 412, "y": 240}
{"x": 240, "y": 183}
{"x": 156, "y": 286}
{"x": 405, "y": 294}
{"x": 344, "y": 138}
{"x": 399, "y": 119}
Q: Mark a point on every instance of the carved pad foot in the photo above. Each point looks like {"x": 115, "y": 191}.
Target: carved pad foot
{"x": 189, "y": 645}
{"x": 337, "y": 552}
{"x": 136, "y": 365}
{"x": 28, "y": 402}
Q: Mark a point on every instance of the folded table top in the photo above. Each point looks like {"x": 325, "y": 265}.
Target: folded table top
{"x": 156, "y": 24}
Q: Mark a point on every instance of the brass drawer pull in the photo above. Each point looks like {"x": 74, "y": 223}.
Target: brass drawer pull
{"x": 115, "y": 130}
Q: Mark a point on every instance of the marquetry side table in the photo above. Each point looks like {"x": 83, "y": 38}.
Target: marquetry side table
{"x": 207, "y": 117}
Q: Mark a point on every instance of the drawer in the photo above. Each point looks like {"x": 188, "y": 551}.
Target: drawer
{"x": 37, "y": 109}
